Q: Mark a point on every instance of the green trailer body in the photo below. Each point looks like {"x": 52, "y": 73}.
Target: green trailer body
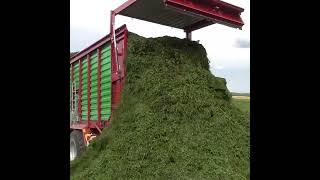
{"x": 95, "y": 82}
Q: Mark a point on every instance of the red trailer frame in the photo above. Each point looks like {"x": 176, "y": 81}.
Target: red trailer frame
{"x": 121, "y": 34}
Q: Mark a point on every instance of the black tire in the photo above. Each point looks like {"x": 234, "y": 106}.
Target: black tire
{"x": 77, "y": 144}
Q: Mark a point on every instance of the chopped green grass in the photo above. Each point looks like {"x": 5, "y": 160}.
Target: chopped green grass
{"x": 176, "y": 120}
{"x": 243, "y": 104}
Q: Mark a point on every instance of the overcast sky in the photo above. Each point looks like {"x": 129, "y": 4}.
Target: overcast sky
{"x": 228, "y": 48}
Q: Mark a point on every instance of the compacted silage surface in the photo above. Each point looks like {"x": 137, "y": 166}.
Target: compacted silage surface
{"x": 175, "y": 120}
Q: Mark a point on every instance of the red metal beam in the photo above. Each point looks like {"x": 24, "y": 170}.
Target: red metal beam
{"x": 125, "y": 44}
{"x": 89, "y": 88}
{"x": 80, "y": 89}
{"x": 113, "y": 41}
{"x": 80, "y": 125}
{"x": 228, "y": 6}
{"x": 72, "y": 79}
{"x": 84, "y": 124}
{"x": 124, "y": 6}
{"x": 124, "y": 56}
{"x": 99, "y": 87}
{"x": 218, "y": 11}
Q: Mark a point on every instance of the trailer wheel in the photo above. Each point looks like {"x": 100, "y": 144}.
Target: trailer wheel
{"x": 77, "y": 145}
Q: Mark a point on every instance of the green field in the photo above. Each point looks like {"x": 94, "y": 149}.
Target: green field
{"x": 240, "y": 94}
{"x": 243, "y": 104}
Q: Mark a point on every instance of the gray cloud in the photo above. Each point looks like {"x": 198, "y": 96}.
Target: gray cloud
{"x": 242, "y": 43}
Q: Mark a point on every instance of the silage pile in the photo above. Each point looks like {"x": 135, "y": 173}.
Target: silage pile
{"x": 175, "y": 120}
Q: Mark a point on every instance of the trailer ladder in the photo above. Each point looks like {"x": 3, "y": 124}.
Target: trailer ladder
{"x": 74, "y": 114}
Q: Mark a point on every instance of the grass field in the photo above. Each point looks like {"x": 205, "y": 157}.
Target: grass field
{"x": 242, "y": 103}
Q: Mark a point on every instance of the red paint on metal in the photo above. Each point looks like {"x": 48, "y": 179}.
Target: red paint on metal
{"x": 112, "y": 21}
{"x": 124, "y": 6}
{"x": 229, "y": 6}
{"x": 89, "y": 87}
{"x": 117, "y": 60}
{"x": 125, "y": 45}
{"x": 79, "y": 126}
{"x": 99, "y": 87}
{"x": 113, "y": 44}
{"x": 80, "y": 89}
{"x": 114, "y": 64}
{"x": 84, "y": 125}
{"x": 72, "y": 87}
{"x": 222, "y": 11}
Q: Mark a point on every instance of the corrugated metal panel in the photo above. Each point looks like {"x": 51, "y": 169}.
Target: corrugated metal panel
{"x": 94, "y": 89}
{"x": 156, "y": 12}
{"x": 105, "y": 84}
{"x": 183, "y": 14}
{"x": 76, "y": 74}
{"x": 84, "y": 97}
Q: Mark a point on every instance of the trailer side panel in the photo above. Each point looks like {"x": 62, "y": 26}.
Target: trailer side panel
{"x": 91, "y": 76}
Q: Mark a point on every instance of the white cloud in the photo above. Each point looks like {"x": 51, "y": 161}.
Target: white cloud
{"x": 218, "y": 67}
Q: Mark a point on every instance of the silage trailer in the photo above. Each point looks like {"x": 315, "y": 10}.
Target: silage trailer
{"x": 97, "y": 73}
